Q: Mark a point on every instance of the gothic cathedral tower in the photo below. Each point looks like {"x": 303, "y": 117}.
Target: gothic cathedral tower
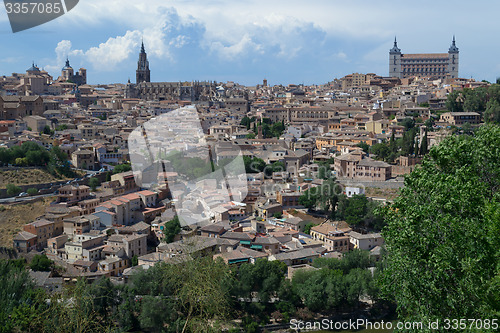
{"x": 453, "y": 60}
{"x": 143, "y": 73}
{"x": 395, "y": 60}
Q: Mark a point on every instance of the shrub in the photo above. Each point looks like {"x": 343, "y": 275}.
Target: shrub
{"x": 32, "y": 191}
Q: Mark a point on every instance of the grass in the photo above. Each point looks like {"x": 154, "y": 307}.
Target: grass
{"x": 13, "y": 218}
{"x": 386, "y": 193}
{"x": 27, "y": 177}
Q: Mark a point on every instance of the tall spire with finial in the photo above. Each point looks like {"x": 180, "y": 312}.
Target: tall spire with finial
{"x": 395, "y": 48}
{"x": 143, "y": 73}
{"x": 453, "y": 47}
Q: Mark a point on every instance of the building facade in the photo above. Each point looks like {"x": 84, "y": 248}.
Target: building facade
{"x": 143, "y": 74}
{"x": 159, "y": 91}
{"x": 434, "y": 65}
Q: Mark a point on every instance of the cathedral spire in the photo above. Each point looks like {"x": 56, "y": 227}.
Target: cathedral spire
{"x": 143, "y": 73}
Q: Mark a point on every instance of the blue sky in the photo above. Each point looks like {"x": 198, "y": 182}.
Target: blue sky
{"x": 246, "y": 41}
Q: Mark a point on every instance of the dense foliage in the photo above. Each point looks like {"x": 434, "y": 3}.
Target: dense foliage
{"x": 171, "y": 229}
{"x": 40, "y": 262}
{"x": 485, "y": 101}
{"x": 32, "y": 154}
{"x": 191, "y": 295}
{"x": 122, "y": 168}
{"x": 356, "y": 211}
{"x": 443, "y": 233}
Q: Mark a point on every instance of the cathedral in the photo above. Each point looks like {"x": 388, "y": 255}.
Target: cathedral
{"x": 158, "y": 91}
{"x": 433, "y": 65}
{"x": 68, "y": 75}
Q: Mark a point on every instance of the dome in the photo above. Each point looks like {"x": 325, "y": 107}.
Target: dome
{"x": 67, "y": 66}
{"x": 33, "y": 68}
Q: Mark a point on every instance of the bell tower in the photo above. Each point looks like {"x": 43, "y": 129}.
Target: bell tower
{"x": 143, "y": 74}
{"x": 395, "y": 60}
{"x": 453, "y": 60}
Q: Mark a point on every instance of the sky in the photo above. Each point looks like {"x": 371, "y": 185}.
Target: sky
{"x": 310, "y": 42}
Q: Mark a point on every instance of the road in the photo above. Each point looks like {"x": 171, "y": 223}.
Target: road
{"x": 27, "y": 198}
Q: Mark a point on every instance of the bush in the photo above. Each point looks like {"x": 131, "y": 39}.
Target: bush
{"x": 41, "y": 263}
{"x": 13, "y": 190}
{"x": 32, "y": 191}
{"x": 94, "y": 182}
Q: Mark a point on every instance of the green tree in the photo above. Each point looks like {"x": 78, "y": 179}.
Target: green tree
{"x": 408, "y": 123}
{"x": 58, "y": 163}
{"x": 122, "y": 168}
{"x": 171, "y": 229}
{"x": 5, "y": 156}
{"x": 16, "y": 289}
{"x": 381, "y": 150}
{"x": 32, "y": 191}
{"x": 13, "y": 190}
{"x": 455, "y": 101}
{"x": 263, "y": 277}
{"x": 307, "y": 228}
{"x": 309, "y": 198}
{"x": 353, "y": 210}
{"x": 274, "y": 167}
{"x": 135, "y": 261}
{"x": 324, "y": 171}
{"x": 443, "y": 233}
{"x": 277, "y": 129}
{"x": 94, "y": 183}
{"x": 424, "y": 145}
{"x": 364, "y": 146}
{"x": 40, "y": 262}
{"x": 253, "y": 164}
{"x": 47, "y": 130}
{"x": 62, "y": 127}
{"x": 492, "y": 113}
{"x": 246, "y": 121}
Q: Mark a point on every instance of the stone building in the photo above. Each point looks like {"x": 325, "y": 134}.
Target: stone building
{"x": 435, "y": 65}
{"x": 69, "y": 75}
{"x": 185, "y": 91}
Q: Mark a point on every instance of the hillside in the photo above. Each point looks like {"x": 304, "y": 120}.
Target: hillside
{"x": 12, "y": 218}
{"x": 26, "y": 177}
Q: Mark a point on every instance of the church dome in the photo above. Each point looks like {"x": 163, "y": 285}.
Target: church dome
{"x": 67, "y": 66}
{"x": 33, "y": 68}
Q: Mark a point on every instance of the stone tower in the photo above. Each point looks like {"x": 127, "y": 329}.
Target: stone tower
{"x": 395, "y": 60}
{"x": 453, "y": 60}
{"x": 67, "y": 71}
{"x": 143, "y": 73}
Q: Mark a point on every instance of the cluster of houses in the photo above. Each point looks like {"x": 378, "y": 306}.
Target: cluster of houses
{"x": 101, "y": 232}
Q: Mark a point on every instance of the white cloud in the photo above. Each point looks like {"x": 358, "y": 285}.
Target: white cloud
{"x": 341, "y": 55}
{"x": 112, "y": 52}
{"x": 229, "y": 52}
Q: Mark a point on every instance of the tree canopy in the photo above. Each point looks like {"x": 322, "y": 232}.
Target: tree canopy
{"x": 443, "y": 232}
{"x": 485, "y": 101}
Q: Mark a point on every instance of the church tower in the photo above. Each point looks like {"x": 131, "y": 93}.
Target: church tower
{"x": 395, "y": 60}
{"x": 143, "y": 73}
{"x": 453, "y": 60}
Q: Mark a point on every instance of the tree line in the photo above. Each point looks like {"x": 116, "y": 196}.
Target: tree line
{"x": 357, "y": 210}
{"x": 198, "y": 295}
{"x": 483, "y": 100}
{"x": 32, "y": 154}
